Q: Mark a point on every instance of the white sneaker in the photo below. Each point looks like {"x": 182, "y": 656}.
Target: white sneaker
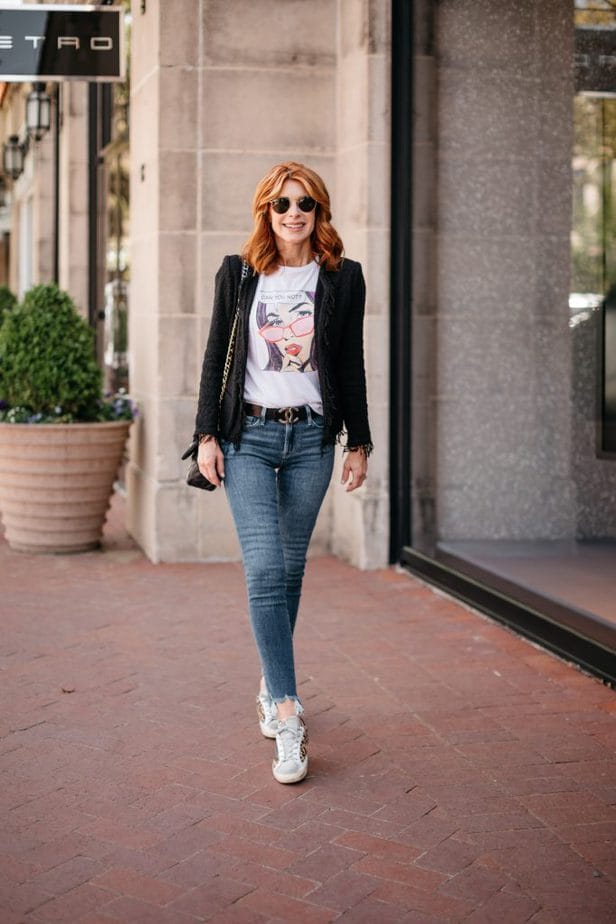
{"x": 267, "y": 713}
{"x": 290, "y": 765}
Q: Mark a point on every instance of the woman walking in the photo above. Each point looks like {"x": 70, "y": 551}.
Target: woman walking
{"x": 296, "y": 382}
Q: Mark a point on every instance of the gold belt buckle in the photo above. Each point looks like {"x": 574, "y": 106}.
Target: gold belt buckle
{"x": 288, "y": 415}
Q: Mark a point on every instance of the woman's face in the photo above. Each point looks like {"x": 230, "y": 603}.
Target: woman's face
{"x": 291, "y": 327}
{"x": 295, "y": 226}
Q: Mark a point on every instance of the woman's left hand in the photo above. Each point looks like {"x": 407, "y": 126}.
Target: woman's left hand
{"x": 355, "y": 467}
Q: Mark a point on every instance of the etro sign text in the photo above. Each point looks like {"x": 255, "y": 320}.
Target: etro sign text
{"x": 97, "y": 43}
{"x": 61, "y": 42}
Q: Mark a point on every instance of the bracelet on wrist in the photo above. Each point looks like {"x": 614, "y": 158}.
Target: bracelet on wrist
{"x": 365, "y": 450}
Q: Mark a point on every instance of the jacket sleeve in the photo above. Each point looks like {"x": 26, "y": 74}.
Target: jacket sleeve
{"x": 352, "y": 369}
{"x": 208, "y": 408}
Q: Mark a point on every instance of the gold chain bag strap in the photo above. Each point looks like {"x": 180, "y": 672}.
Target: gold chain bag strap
{"x": 195, "y": 478}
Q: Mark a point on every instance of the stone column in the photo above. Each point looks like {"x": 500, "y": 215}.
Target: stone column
{"x": 361, "y": 214}
{"x": 220, "y": 92}
{"x": 44, "y": 211}
{"x": 74, "y": 193}
{"x": 162, "y": 321}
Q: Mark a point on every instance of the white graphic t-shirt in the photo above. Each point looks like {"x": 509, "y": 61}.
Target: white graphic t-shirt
{"x": 281, "y": 368}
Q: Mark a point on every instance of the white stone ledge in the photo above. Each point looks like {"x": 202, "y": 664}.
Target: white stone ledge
{"x": 180, "y": 67}
{"x": 291, "y": 69}
{"x": 275, "y": 152}
{"x": 291, "y": 153}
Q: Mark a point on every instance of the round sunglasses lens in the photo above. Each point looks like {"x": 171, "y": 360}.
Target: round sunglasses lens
{"x": 281, "y": 205}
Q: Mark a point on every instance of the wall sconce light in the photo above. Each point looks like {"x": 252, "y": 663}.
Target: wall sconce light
{"x": 38, "y": 122}
{"x": 13, "y": 157}
{"x": 38, "y": 112}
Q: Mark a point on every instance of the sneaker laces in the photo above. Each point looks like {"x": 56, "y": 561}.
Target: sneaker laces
{"x": 289, "y": 738}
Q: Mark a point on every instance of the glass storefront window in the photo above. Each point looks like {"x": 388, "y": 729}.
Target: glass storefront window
{"x": 514, "y": 260}
{"x": 593, "y": 237}
{"x": 116, "y": 216}
{"x": 117, "y": 269}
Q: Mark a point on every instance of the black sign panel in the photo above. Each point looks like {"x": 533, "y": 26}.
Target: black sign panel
{"x": 595, "y": 60}
{"x": 61, "y": 42}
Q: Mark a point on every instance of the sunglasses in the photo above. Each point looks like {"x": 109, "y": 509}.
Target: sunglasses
{"x": 283, "y": 204}
{"x": 300, "y": 327}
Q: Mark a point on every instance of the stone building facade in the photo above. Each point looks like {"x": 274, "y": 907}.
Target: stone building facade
{"x": 483, "y": 376}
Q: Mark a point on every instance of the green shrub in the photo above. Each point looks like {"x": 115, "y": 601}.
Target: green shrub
{"x": 7, "y": 302}
{"x": 47, "y": 358}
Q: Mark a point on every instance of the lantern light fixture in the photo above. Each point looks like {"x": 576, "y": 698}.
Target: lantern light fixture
{"x": 38, "y": 122}
{"x": 13, "y": 157}
{"x": 38, "y": 112}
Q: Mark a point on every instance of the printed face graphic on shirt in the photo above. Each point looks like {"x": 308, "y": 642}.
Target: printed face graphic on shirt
{"x": 286, "y": 324}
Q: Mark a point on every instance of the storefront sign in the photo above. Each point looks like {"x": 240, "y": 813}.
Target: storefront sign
{"x": 595, "y": 60}
{"x": 61, "y": 42}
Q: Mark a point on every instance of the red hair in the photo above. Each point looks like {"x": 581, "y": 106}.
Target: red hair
{"x": 260, "y": 249}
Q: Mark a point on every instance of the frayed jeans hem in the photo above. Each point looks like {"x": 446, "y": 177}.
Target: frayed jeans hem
{"x": 283, "y": 699}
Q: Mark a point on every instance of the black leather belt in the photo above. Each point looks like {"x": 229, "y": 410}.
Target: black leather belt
{"x": 285, "y": 415}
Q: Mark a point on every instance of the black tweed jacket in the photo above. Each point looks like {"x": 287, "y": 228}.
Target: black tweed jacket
{"x": 339, "y": 313}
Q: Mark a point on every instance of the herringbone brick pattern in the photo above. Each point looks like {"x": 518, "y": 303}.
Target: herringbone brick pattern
{"x": 457, "y": 772}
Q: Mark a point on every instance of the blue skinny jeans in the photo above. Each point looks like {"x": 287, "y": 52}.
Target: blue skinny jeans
{"x": 275, "y": 482}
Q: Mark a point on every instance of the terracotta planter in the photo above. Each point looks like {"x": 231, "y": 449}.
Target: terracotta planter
{"x": 56, "y": 482}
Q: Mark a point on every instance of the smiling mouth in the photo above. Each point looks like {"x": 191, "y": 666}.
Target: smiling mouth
{"x": 293, "y": 349}
{"x": 295, "y": 227}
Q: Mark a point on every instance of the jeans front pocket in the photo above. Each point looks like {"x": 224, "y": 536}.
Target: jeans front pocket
{"x": 251, "y": 421}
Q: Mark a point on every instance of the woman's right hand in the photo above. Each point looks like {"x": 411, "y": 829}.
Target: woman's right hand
{"x": 211, "y": 461}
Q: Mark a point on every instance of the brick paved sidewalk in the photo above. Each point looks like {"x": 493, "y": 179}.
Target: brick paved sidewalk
{"x": 457, "y": 772}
